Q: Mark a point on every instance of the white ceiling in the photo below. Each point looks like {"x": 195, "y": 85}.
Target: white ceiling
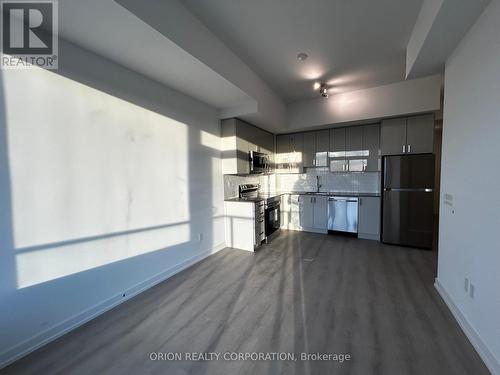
{"x": 352, "y": 44}
{"x": 106, "y": 28}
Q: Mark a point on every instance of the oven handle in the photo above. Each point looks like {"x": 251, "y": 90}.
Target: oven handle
{"x": 272, "y": 206}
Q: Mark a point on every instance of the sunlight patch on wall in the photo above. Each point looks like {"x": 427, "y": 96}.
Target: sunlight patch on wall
{"x": 83, "y": 164}
{"x": 45, "y": 264}
{"x": 210, "y": 140}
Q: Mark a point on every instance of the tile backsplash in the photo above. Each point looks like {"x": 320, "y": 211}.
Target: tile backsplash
{"x": 231, "y": 183}
{"x": 368, "y": 182}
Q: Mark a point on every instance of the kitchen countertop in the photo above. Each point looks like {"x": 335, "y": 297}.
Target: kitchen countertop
{"x": 336, "y": 193}
{"x": 248, "y": 200}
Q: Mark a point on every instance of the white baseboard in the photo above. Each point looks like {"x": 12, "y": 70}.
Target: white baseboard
{"x": 474, "y": 338}
{"x": 26, "y": 347}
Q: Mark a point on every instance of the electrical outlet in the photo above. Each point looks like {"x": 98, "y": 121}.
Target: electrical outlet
{"x": 471, "y": 290}
{"x": 200, "y": 237}
{"x": 466, "y": 285}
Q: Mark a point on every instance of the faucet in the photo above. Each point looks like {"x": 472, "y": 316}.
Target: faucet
{"x": 318, "y": 185}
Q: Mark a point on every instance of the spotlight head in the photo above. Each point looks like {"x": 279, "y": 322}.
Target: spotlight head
{"x": 323, "y": 90}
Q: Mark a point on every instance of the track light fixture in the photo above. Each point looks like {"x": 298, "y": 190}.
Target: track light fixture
{"x": 323, "y": 89}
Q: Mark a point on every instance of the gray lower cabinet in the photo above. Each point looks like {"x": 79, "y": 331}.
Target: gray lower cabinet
{"x": 306, "y": 211}
{"x": 313, "y": 213}
{"x": 290, "y": 211}
{"x": 369, "y": 218}
{"x": 320, "y": 212}
{"x": 411, "y": 135}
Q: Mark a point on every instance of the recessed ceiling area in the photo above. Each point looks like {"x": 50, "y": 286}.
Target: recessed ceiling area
{"x": 114, "y": 30}
{"x": 351, "y": 45}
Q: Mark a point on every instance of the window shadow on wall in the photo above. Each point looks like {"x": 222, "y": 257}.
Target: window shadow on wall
{"x": 62, "y": 299}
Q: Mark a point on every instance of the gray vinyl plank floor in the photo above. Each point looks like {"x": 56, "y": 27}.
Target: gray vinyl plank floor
{"x": 302, "y": 293}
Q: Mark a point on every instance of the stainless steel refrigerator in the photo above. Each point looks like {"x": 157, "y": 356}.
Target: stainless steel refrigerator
{"x": 408, "y": 199}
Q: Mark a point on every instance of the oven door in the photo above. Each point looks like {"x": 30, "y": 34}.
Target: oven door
{"x": 272, "y": 218}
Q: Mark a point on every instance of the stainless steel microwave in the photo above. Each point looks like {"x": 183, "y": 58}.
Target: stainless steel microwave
{"x": 259, "y": 162}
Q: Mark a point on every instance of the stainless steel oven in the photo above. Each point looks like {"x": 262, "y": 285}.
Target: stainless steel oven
{"x": 259, "y": 162}
{"x": 272, "y": 212}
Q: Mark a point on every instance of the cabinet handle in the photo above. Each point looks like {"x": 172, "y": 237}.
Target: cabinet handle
{"x": 360, "y": 201}
{"x": 404, "y": 149}
{"x": 409, "y": 148}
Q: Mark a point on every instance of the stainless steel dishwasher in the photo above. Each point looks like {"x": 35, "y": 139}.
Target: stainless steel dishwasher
{"x": 343, "y": 214}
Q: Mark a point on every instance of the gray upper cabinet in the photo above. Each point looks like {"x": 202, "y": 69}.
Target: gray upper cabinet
{"x": 337, "y": 150}
{"x": 282, "y": 162}
{"x": 238, "y": 139}
{"x": 297, "y": 150}
{"x": 371, "y": 148}
{"x": 413, "y": 135}
{"x": 420, "y": 134}
{"x": 322, "y": 148}
{"x": 316, "y": 147}
{"x": 354, "y": 149}
{"x": 289, "y": 153}
{"x": 393, "y": 136}
{"x": 309, "y": 154}
{"x": 282, "y": 144}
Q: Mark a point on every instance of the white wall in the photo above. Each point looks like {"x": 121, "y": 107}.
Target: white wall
{"x": 107, "y": 180}
{"x": 469, "y": 231}
{"x": 397, "y": 99}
